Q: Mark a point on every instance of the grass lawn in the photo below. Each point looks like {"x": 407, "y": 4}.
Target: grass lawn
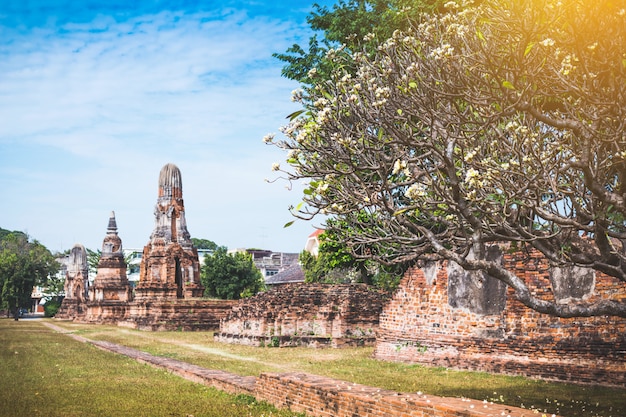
{"x": 352, "y": 364}
{"x": 44, "y": 373}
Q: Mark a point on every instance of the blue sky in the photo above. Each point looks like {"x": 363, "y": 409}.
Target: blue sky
{"x": 96, "y": 96}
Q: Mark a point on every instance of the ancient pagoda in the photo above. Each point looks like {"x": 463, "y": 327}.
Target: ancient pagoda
{"x": 110, "y": 292}
{"x": 111, "y": 282}
{"x": 76, "y": 283}
{"x": 169, "y": 266}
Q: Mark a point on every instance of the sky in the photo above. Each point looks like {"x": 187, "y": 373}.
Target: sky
{"x": 96, "y": 96}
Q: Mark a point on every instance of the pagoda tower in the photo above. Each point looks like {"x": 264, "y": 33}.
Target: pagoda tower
{"x": 169, "y": 266}
{"x": 111, "y": 283}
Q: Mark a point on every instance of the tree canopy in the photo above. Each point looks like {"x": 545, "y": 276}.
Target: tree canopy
{"x": 344, "y": 26}
{"x": 502, "y": 122}
{"x": 23, "y": 264}
{"x": 204, "y": 244}
{"x": 230, "y": 276}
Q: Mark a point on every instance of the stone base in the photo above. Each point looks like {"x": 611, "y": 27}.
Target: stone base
{"x": 104, "y": 312}
{"x": 70, "y": 309}
{"x": 295, "y": 341}
{"x": 183, "y": 314}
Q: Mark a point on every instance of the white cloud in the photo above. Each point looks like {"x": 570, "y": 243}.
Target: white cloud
{"x": 92, "y": 111}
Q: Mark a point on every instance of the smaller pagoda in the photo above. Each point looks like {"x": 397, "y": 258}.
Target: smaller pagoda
{"x": 110, "y": 292}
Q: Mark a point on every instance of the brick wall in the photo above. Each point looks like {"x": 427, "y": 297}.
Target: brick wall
{"x": 325, "y": 397}
{"x": 315, "y": 315}
{"x": 420, "y": 325}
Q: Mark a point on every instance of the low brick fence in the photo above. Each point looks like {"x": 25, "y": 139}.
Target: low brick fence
{"x": 326, "y": 397}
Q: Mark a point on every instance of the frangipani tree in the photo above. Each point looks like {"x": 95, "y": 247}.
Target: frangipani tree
{"x": 502, "y": 122}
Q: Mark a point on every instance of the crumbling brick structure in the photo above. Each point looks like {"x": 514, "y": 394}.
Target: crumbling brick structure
{"x": 314, "y": 315}
{"x": 76, "y": 284}
{"x": 442, "y": 315}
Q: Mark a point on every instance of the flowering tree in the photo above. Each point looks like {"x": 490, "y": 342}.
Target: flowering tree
{"x": 498, "y": 123}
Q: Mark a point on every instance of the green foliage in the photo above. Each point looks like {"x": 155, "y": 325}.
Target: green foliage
{"x": 93, "y": 258}
{"x": 51, "y": 307}
{"x": 23, "y": 264}
{"x": 336, "y": 263}
{"x": 204, "y": 243}
{"x": 344, "y": 27}
{"x": 230, "y": 276}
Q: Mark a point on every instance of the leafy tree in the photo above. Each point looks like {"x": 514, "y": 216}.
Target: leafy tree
{"x": 204, "y": 244}
{"x": 23, "y": 264}
{"x": 336, "y": 264}
{"x": 93, "y": 258}
{"x": 499, "y": 123}
{"x": 230, "y": 276}
{"x": 342, "y": 28}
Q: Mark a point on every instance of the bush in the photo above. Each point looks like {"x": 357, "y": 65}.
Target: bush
{"x": 51, "y": 307}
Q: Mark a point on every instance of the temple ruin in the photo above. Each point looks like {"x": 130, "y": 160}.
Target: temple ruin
{"x": 76, "y": 284}
{"x": 168, "y": 295}
{"x": 110, "y": 292}
{"x": 442, "y": 315}
{"x": 169, "y": 266}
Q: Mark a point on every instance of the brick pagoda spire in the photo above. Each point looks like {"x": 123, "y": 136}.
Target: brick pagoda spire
{"x": 169, "y": 266}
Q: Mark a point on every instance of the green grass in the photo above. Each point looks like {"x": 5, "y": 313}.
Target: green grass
{"x": 44, "y": 373}
{"x": 357, "y": 365}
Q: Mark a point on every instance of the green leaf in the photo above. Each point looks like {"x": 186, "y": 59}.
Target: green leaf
{"x": 529, "y": 47}
{"x": 399, "y": 212}
{"x": 399, "y": 112}
{"x": 288, "y": 224}
{"x": 295, "y": 114}
{"x": 508, "y": 84}
{"x": 480, "y": 35}
{"x": 299, "y": 206}
{"x": 413, "y": 84}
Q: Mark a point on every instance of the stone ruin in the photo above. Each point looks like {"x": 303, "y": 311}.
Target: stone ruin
{"x": 442, "y": 315}
{"x": 169, "y": 266}
{"x": 167, "y": 296}
{"x": 313, "y": 315}
{"x": 110, "y": 292}
{"x": 76, "y": 283}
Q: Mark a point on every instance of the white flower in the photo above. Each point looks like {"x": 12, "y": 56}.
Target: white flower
{"x": 470, "y": 155}
{"x": 472, "y": 177}
{"x": 398, "y": 166}
{"x": 370, "y": 36}
{"x": 297, "y": 95}
{"x": 547, "y": 42}
{"x": 268, "y": 138}
{"x": 441, "y": 52}
{"x": 275, "y": 166}
{"x": 416, "y": 191}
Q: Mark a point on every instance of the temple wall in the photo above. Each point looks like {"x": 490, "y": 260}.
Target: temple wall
{"x": 438, "y": 318}
{"x": 315, "y": 315}
{"x": 186, "y": 315}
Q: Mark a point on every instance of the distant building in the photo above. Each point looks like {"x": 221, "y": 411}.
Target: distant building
{"x": 291, "y": 275}
{"x": 313, "y": 243}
